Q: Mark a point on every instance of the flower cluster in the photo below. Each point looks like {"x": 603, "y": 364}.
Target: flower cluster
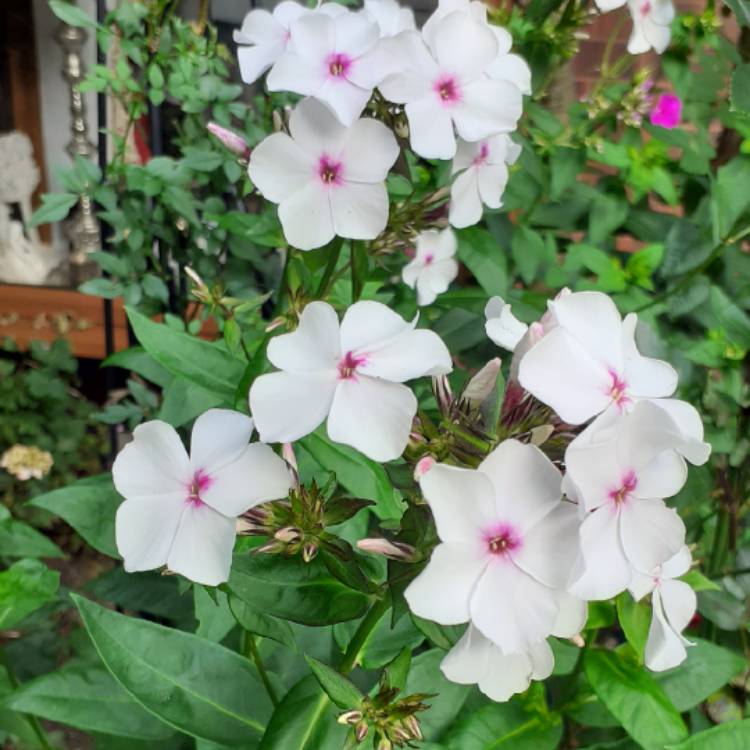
{"x": 526, "y": 547}
{"x": 651, "y": 23}
{"x": 455, "y": 82}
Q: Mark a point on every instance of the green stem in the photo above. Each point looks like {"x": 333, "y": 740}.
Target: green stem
{"x": 372, "y": 618}
{"x": 333, "y": 259}
{"x": 250, "y": 650}
{"x": 33, "y": 721}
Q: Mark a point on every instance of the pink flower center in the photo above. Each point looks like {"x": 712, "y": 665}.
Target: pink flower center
{"x": 348, "y": 365}
{"x": 501, "y": 539}
{"x": 428, "y": 259}
{"x": 645, "y": 8}
{"x": 448, "y": 90}
{"x": 201, "y": 482}
{"x": 329, "y": 170}
{"x": 622, "y": 493}
{"x": 481, "y": 157}
{"x": 338, "y": 64}
{"x": 618, "y": 390}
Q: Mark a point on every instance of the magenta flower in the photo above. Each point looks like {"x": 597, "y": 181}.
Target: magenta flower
{"x": 667, "y": 111}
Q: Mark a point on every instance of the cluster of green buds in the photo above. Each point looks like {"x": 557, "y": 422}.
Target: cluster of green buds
{"x": 637, "y": 101}
{"x": 391, "y": 721}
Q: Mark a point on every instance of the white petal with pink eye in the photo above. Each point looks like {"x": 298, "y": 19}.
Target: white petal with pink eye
{"x": 441, "y": 592}
{"x": 665, "y": 648}
{"x": 663, "y": 477}
{"x": 219, "y": 437}
{"x": 502, "y": 327}
{"x": 287, "y": 406}
{"x": 359, "y": 210}
{"x": 369, "y": 325}
{"x": 306, "y": 218}
{"x": 605, "y": 571}
{"x": 293, "y": 73}
{"x": 430, "y": 128}
{"x": 278, "y": 167}
{"x": 561, "y": 373}
{"x": 463, "y": 46}
{"x": 607, "y": 5}
{"x": 154, "y": 462}
{"x": 257, "y": 59}
{"x": 254, "y": 477}
{"x": 468, "y": 661}
{"x": 203, "y": 545}
{"x": 571, "y": 615}
{"x": 373, "y": 416}
{"x": 145, "y": 527}
{"x": 487, "y": 107}
{"x": 526, "y": 482}
{"x": 651, "y": 533}
{"x": 466, "y": 206}
{"x": 313, "y": 345}
{"x": 313, "y": 37}
{"x": 461, "y": 500}
{"x": 355, "y": 34}
{"x": 475, "y": 9}
{"x": 596, "y": 472}
{"x": 370, "y": 150}
{"x": 511, "y": 608}
{"x": 411, "y": 354}
{"x": 689, "y": 423}
{"x": 435, "y": 280}
{"x": 492, "y": 181}
{"x": 549, "y": 548}
{"x": 512, "y": 68}
{"x": 343, "y": 98}
{"x": 390, "y": 17}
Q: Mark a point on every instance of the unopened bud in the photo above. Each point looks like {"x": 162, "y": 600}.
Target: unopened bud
{"x": 350, "y": 717}
{"x": 443, "y": 393}
{"x": 536, "y": 331}
{"x": 278, "y": 121}
{"x": 385, "y": 744}
{"x": 287, "y": 453}
{"x": 233, "y": 141}
{"x": 401, "y": 128}
{"x": 391, "y": 550}
{"x": 309, "y": 551}
{"x": 540, "y": 434}
{"x": 288, "y": 534}
{"x": 411, "y": 723}
{"x": 400, "y": 734}
{"x": 481, "y": 385}
{"x": 577, "y": 640}
{"x": 268, "y": 548}
{"x": 274, "y": 324}
{"x": 423, "y": 466}
{"x": 361, "y": 730}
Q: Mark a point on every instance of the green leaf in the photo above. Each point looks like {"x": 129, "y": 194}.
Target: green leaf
{"x": 528, "y": 250}
{"x": 505, "y": 726}
{"x": 339, "y": 689}
{"x": 18, "y": 539}
{"x": 397, "y": 671}
{"x": 196, "y": 360}
{"x": 304, "y": 720}
{"x": 107, "y": 288}
{"x": 215, "y": 619}
{"x": 89, "y": 506}
{"x": 734, "y": 320}
{"x": 635, "y": 619}
{"x": 183, "y": 401}
{"x": 607, "y": 214}
{"x": 740, "y": 96}
{"x": 137, "y": 359}
{"x": 729, "y": 195}
{"x": 294, "y": 590}
{"x": 55, "y": 207}
{"x": 734, "y": 735}
{"x": 707, "y": 668}
{"x": 88, "y": 698}
{"x": 565, "y": 163}
{"x": 71, "y": 14}
{"x": 24, "y": 587}
{"x": 359, "y": 475}
{"x": 202, "y": 160}
{"x": 259, "y": 623}
{"x": 741, "y": 9}
{"x": 186, "y": 681}
{"x": 635, "y": 699}
{"x": 698, "y": 582}
{"x": 155, "y": 287}
{"x": 484, "y": 257}
{"x": 685, "y": 248}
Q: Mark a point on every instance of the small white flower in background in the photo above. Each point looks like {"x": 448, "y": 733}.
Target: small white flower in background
{"x": 390, "y": 17}
{"x": 674, "y": 604}
{"x": 502, "y": 327}
{"x": 333, "y": 59}
{"x": 477, "y": 660}
{"x": 26, "y": 462}
{"x": 444, "y": 85}
{"x": 620, "y": 476}
{"x": 264, "y": 36}
{"x": 589, "y": 361}
{"x": 180, "y": 510}
{"x": 327, "y": 179}
{"x": 507, "y": 545}
{"x": 651, "y": 23}
{"x": 433, "y": 267}
{"x": 482, "y": 174}
{"x": 351, "y": 373}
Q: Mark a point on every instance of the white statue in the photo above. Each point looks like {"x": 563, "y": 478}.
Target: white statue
{"x": 23, "y": 257}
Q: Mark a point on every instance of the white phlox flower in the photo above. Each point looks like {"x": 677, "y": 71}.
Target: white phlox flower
{"x": 351, "y": 374}
{"x": 502, "y": 326}
{"x": 674, "y": 604}
{"x": 264, "y": 36}
{"x": 507, "y": 545}
{"x": 327, "y": 179}
{"x": 334, "y": 59}
{"x": 391, "y": 17}
{"x": 651, "y": 23}
{"x": 481, "y": 174}
{"x": 433, "y": 267}
{"x": 443, "y": 85}
{"x": 588, "y": 361}
{"x": 620, "y": 477}
{"x": 477, "y": 660}
{"x": 180, "y": 509}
